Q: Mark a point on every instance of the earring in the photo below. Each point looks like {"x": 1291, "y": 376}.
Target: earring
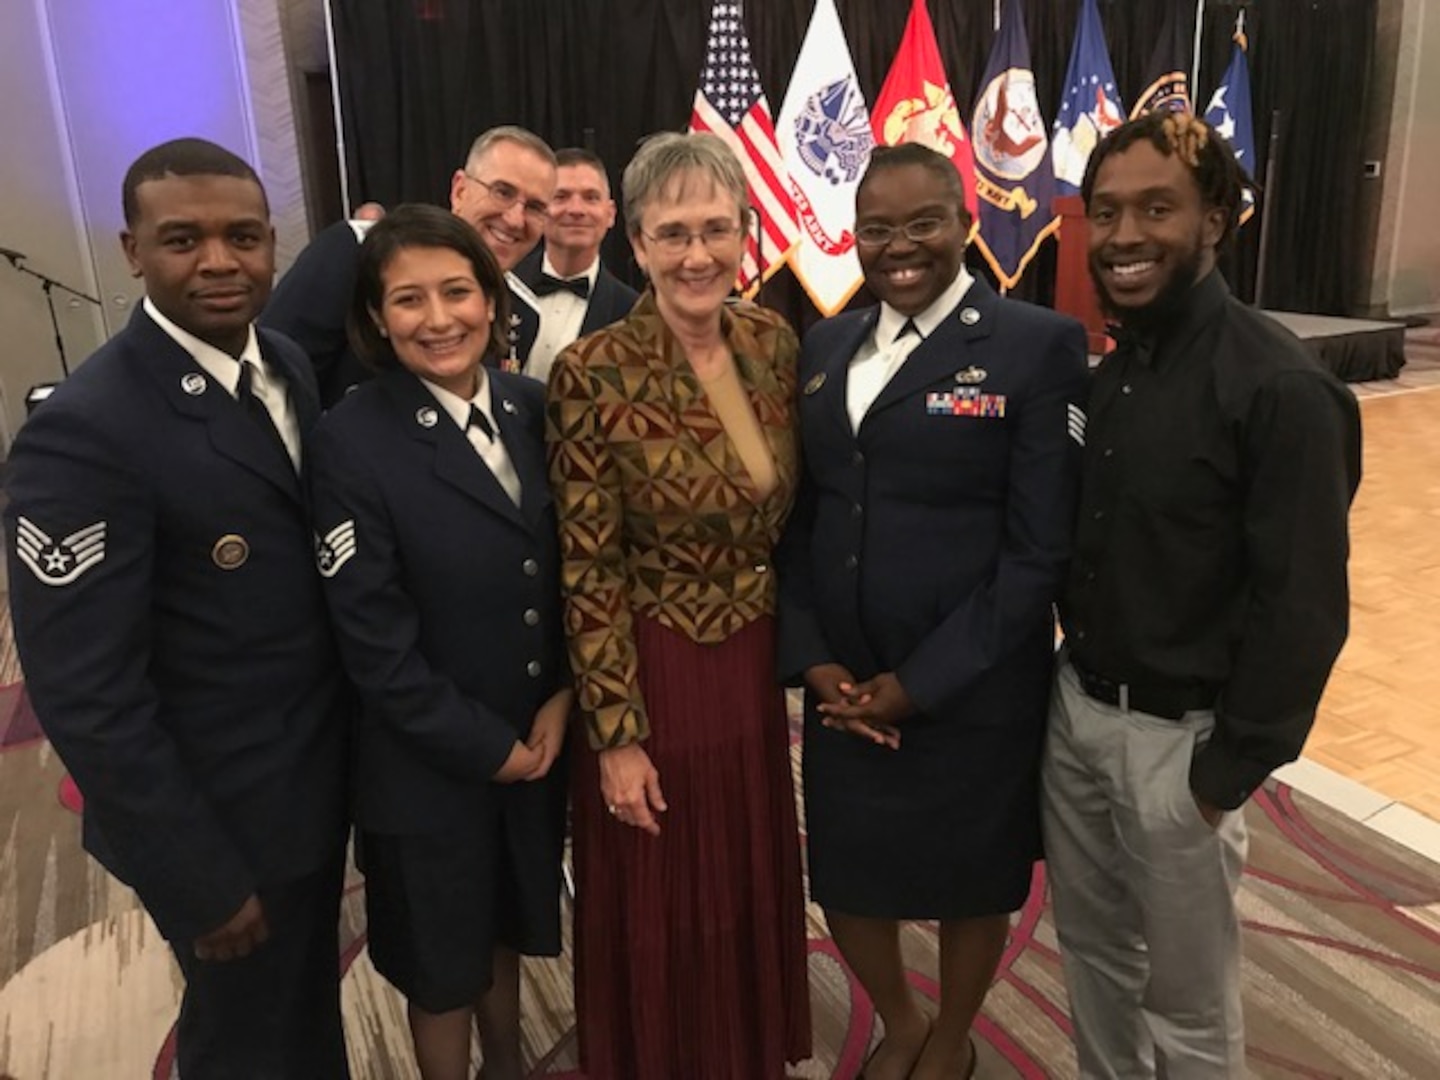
{"x": 383, "y": 332}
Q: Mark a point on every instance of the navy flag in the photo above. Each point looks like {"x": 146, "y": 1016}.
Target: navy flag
{"x": 1229, "y": 114}
{"x": 1167, "y": 78}
{"x": 1090, "y": 108}
{"x": 1013, "y": 177}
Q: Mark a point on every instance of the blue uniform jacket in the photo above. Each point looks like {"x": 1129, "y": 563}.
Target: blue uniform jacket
{"x": 933, "y": 542}
{"x": 445, "y": 594}
{"x": 172, "y": 629}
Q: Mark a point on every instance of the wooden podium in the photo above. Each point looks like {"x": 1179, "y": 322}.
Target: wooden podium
{"x": 1074, "y": 291}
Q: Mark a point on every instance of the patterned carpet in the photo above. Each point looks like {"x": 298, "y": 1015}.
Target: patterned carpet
{"x": 1342, "y": 965}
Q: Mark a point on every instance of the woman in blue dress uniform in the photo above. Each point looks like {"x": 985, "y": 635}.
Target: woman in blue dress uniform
{"x": 436, "y": 540}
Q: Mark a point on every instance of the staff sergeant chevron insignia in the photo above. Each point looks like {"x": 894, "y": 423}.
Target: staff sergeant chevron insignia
{"x": 59, "y": 562}
{"x": 335, "y": 548}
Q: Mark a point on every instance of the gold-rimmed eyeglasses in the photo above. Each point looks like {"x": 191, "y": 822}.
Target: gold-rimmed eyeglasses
{"x": 507, "y": 195}
{"x": 674, "y": 240}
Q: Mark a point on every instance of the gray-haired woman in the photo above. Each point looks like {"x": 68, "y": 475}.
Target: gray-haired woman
{"x": 672, "y": 459}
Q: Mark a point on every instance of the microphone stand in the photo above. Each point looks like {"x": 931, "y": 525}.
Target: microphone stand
{"x": 49, "y": 284}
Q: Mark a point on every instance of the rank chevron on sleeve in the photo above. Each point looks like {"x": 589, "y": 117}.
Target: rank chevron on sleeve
{"x": 59, "y": 562}
{"x": 335, "y": 548}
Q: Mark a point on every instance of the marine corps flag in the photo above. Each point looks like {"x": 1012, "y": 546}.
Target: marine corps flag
{"x": 1013, "y": 177}
{"x": 1090, "y": 109}
{"x": 916, "y": 105}
{"x": 1167, "y": 82}
{"x": 825, "y": 141}
{"x": 730, "y": 103}
{"x": 1229, "y": 114}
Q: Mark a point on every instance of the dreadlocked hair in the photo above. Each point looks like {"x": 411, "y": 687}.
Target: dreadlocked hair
{"x": 1211, "y": 162}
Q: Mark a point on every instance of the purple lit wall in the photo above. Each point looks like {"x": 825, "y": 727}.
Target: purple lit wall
{"x": 130, "y": 74}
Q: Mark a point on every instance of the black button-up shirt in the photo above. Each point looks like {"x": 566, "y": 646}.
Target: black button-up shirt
{"x": 1210, "y": 552}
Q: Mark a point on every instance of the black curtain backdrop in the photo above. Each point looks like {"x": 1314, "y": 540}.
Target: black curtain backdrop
{"x": 419, "y": 79}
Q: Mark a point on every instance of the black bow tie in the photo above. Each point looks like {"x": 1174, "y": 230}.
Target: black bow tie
{"x": 580, "y": 286}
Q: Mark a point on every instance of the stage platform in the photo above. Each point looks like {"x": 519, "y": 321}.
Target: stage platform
{"x": 1356, "y": 350}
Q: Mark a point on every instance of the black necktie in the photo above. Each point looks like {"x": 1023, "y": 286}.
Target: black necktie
{"x": 256, "y": 410}
{"x": 480, "y": 420}
{"x": 547, "y": 284}
{"x": 908, "y": 328}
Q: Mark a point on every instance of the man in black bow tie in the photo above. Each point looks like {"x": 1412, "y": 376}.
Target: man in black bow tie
{"x": 575, "y": 294}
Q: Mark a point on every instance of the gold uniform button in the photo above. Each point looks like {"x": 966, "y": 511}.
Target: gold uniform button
{"x": 230, "y": 551}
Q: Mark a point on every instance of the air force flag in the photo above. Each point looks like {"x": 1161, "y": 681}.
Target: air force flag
{"x": 1229, "y": 114}
{"x": 1091, "y": 106}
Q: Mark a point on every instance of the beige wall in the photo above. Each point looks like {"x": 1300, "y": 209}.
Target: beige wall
{"x": 1405, "y": 137}
{"x": 85, "y": 87}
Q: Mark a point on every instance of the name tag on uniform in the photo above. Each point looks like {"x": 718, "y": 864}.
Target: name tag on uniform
{"x": 965, "y": 401}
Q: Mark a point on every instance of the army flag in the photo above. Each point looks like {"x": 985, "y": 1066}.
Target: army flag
{"x": 1167, "y": 78}
{"x": 1090, "y": 108}
{"x": 825, "y": 142}
{"x": 731, "y": 103}
{"x": 916, "y": 105}
{"x": 1013, "y": 176}
{"x": 1229, "y": 114}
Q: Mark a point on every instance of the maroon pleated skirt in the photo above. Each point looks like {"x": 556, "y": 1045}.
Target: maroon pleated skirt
{"x": 690, "y": 951}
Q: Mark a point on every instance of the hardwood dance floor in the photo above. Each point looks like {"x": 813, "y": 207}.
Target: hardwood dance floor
{"x": 1379, "y": 722}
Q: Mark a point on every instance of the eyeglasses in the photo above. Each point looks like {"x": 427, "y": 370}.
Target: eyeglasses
{"x": 917, "y": 232}
{"x": 673, "y": 240}
{"x": 507, "y": 195}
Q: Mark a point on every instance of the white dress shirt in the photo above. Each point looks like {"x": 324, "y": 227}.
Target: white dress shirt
{"x": 267, "y": 386}
{"x": 880, "y": 356}
{"x": 561, "y": 314}
{"x": 491, "y": 450}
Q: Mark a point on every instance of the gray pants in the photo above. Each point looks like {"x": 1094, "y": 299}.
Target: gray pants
{"x": 1143, "y": 892}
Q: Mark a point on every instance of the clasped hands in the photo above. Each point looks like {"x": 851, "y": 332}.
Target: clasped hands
{"x": 870, "y": 710}
{"x": 531, "y": 759}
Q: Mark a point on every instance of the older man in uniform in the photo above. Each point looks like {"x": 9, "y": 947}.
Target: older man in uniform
{"x": 503, "y": 190}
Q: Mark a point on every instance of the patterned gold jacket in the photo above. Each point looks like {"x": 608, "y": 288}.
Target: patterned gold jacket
{"x": 658, "y": 516}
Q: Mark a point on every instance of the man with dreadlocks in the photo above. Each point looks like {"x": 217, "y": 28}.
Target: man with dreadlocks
{"x": 1204, "y": 607}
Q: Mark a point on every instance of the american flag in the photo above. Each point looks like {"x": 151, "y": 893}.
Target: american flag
{"x": 730, "y": 103}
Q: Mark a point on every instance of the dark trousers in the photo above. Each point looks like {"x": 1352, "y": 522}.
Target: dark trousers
{"x": 274, "y": 1015}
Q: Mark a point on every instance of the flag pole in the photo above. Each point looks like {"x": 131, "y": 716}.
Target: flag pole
{"x": 1195, "y": 52}
{"x": 1265, "y": 205}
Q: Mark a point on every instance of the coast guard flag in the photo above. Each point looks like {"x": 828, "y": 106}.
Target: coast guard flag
{"x": 916, "y": 105}
{"x": 1229, "y": 114}
{"x": 1167, "y": 81}
{"x": 825, "y": 142}
{"x": 1090, "y": 108}
{"x": 1013, "y": 176}
{"x": 730, "y": 103}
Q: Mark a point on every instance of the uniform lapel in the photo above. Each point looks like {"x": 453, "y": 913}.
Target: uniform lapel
{"x": 528, "y": 458}
{"x": 946, "y": 350}
{"x": 524, "y": 324}
{"x": 456, "y": 462}
{"x": 833, "y": 390}
{"x": 192, "y": 393}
